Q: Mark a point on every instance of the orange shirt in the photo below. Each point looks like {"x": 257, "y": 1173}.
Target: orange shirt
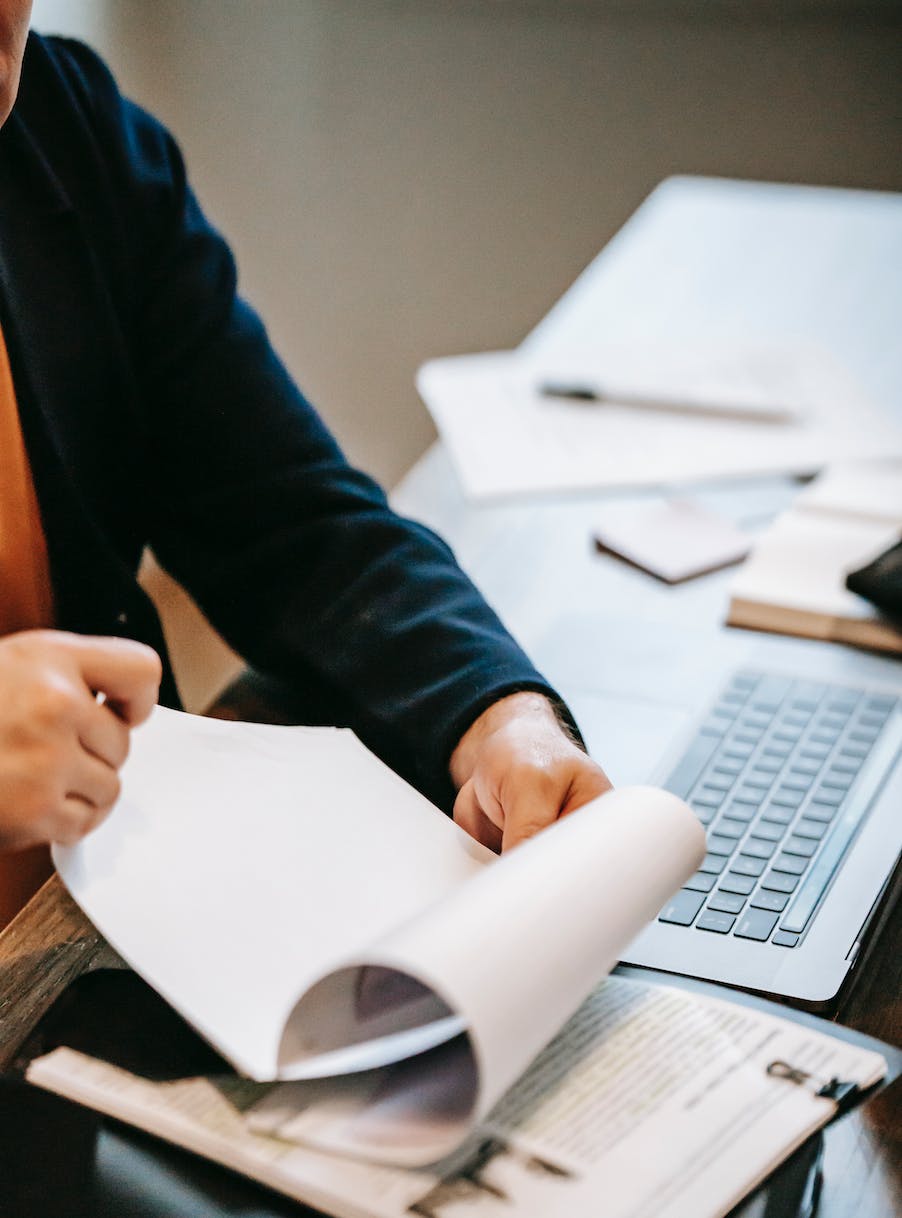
{"x": 26, "y": 599}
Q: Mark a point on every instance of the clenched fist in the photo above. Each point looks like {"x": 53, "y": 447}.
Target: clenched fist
{"x": 517, "y": 771}
{"x": 67, "y": 703}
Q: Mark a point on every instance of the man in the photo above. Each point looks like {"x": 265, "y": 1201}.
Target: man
{"x": 141, "y": 403}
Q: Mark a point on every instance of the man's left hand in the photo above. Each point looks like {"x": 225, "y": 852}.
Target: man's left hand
{"x": 516, "y": 771}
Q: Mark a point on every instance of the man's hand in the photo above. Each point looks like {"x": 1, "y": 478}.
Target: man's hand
{"x": 60, "y": 746}
{"x": 516, "y": 771}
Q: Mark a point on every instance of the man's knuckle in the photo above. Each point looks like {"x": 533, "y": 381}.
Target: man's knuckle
{"x": 113, "y": 791}
{"x": 54, "y": 704}
{"x": 124, "y": 744}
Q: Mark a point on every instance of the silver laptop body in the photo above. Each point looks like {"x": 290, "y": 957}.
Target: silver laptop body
{"x": 642, "y": 691}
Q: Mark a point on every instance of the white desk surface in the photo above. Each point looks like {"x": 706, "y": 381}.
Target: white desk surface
{"x": 779, "y": 262}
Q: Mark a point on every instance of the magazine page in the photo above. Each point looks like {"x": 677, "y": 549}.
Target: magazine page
{"x": 652, "y": 1101}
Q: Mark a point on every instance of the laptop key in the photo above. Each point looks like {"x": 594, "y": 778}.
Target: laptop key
{"x": 815, "y": 752}
{"x": 708, "y": 797}
{"x": 814, "y": 829}
{"x": 796, "y": 782}
{"x": 712, "y": 864}
{"x": 828, "y": 795}
{"x": 681, "y": 910}
{"x": 806, "y": 767}
{"x": 720, "y": 845}
{"x": 864, "y": 735}
{"x": 822, "y": 812}
{"x": 700, "y": 882}
{"x": 745, "y": 865}
{"x": 717, "y": 782}
{"x": 837, "y": 779}
{"x": 824, "y": 737}
{"x": 770, "y": 692}
{"x": 760, "y": 779}
{"x": 758, "y": 848}
{"x": 789, "y": 734}
{"x": 787, "y": 797}
{"x": 777, "y": 748}
{"x": 774, "y": 901}
{"x": 756, "y": 924}
{"x": 805, "y": 846}
{"x": 720, "y": 923}
{"x": 726, "y": 902}
{"x": 741, "y": 752}
{"x": 881, "y": 702}
{"x": 779, "y": 815}
{"x": 728, "y": 827}
{"x": 846, "y": 765}
{"x": 784, "y": 939}
{"x": 741, "y": 885}
{"x": 807, "y": 693}
{"x": 780, "y": 881}
{"x": 750, "y": 795}
{"x": 747, "y": 735}
{"x": 792, "y": 864}
{"x": 769, "y": 830}
{"x": 740, "y": 810}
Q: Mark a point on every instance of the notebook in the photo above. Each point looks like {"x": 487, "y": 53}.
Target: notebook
{"x": 794, "y": 581}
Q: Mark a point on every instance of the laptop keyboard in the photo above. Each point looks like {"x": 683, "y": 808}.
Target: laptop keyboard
{"x": 781, "y": 773}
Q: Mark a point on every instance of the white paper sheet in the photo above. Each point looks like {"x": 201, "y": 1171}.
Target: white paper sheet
{"x": 506, "y": 438}
{"x": 299, "y": 905}
{"x": 244, "y": 862}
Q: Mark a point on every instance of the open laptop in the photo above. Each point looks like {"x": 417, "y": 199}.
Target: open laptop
{"x": 790, "y": 752}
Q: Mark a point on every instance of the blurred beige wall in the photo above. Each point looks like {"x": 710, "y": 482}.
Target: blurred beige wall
{"x": 408, "y": 178}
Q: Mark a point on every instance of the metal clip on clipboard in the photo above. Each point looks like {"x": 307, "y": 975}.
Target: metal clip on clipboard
{"x": 843, "y": 1094}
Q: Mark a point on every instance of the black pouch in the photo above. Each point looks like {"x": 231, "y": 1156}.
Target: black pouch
{"x": 880, "y": 581}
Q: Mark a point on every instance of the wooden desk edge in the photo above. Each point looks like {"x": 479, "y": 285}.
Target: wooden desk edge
{"x": 45, "y": 947}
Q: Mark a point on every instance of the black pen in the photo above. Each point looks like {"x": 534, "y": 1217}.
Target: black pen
{"x": 579, "y": 391}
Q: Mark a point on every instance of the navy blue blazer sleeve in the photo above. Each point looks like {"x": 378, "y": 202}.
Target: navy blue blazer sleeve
{"x": 293, "y": 554}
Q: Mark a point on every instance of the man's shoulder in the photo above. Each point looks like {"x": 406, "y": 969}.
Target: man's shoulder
{"x": 64, "y": 75}
{"x": 101, "y": 148}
